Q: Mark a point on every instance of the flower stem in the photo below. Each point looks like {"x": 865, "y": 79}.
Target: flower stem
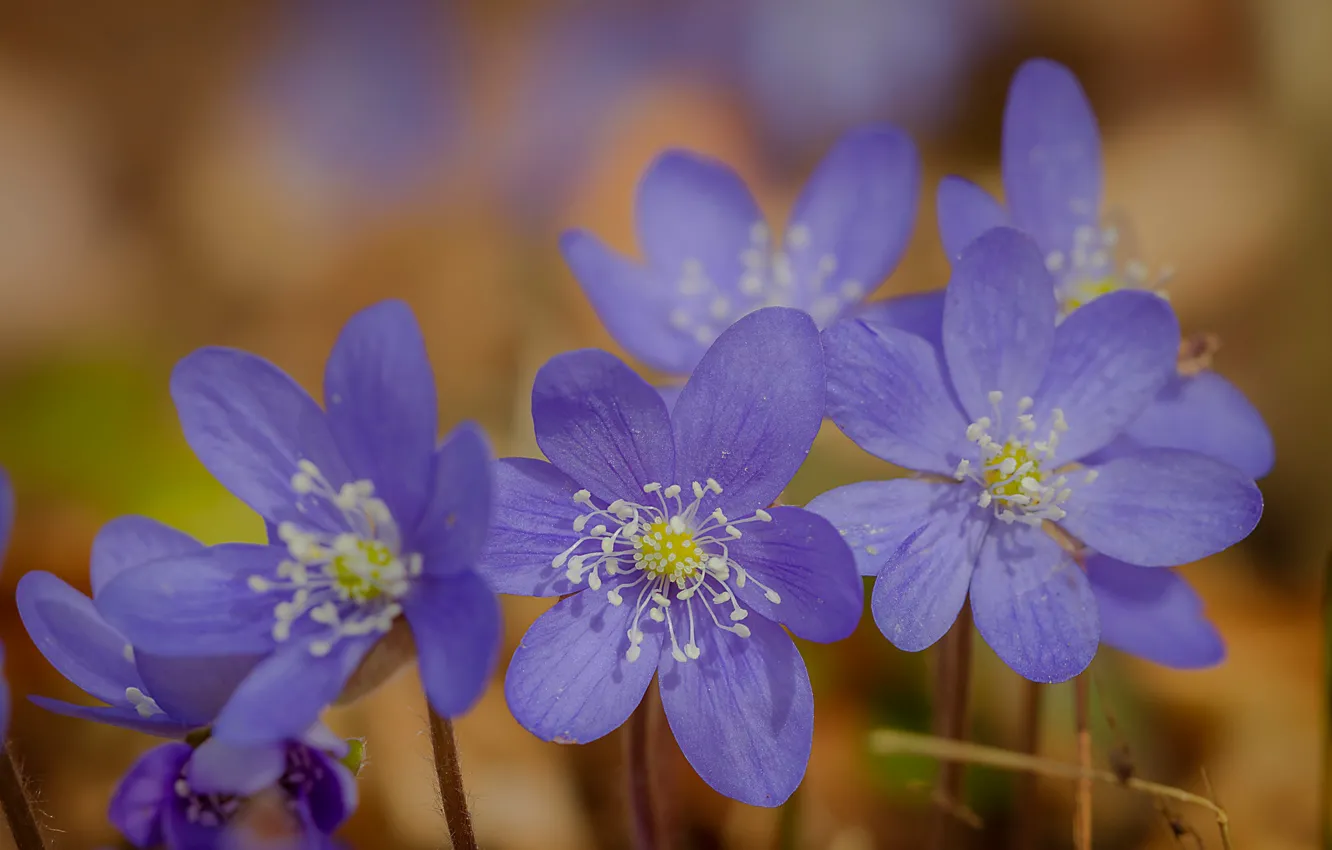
{"x": 17, "y": 806}
{"x": 951, "y": 690}
{"x": 449, "y": 775}
{"x": 639, "y": 764}
{"x": 1082, "y": 813}
{"x": 1326, "y": 802}
{"x": 1026, "y": 823}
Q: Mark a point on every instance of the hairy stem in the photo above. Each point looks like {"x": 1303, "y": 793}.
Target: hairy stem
{"x": 1026, "y": 824}
{"x": 1082, "y": 812}
{"x": 1326, "y": 801}
{"x": 639, "y": 765}
{"x": 16, "y": 804}
{"x": 951, "y": 691}
{"x": 448, "y": 773}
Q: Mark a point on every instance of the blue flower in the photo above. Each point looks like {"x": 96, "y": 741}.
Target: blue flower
{"x": 370, "y": 525}
{"x": 1052, "y": 173}
{"x": 6, "y": 526}
{"x": 661, "y": 525}
{"x": 711, "y": 258}
{"x": 1001, "y": 419}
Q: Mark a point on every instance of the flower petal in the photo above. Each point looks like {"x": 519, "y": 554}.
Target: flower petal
{"x": 284, "y": 695}
{"x": 219, "y": 767}
{"x": 193, "y": 690}
{"x": 142, "y": 795}
{"x": 1110, "y": 359}
{"x": 923, "y": 582}
{"x": 1163, "y": 507}
{"x": 742, "y": 712}
{"x": 857, "y": 209}
{"x": 129, "y": 541}
{"x": 569, "y": 680}
{"x": 920, "y": 313}
{"x": 121, "y": 716}
{"x": 533, "y": 522}
{"x": 454, "y": 524}
{"x": 456, "y": 624}
{"x": 249, "y": 423}
{"x": 886, "y": 392}
{"x": 752, "y": 408}
{"x": 999, "y": 321}
{"x": 965, "y": 211}
{"x": 1033, "y": 604}
{"x": 601, "y": 424}
{"x": 636, "y": 304}
{"x": 68, "y": 630}
{"x": 876, "y": 517}
{"x": 1154, "y": 614}
{"x": 800, "y": 558}
{"x": 1207, "y": 414}
{"x": 1051, "y": 154}
{"x": 198, "y": 605}
{"x": 379, "y": 391}
{"x": 333, "y": 798}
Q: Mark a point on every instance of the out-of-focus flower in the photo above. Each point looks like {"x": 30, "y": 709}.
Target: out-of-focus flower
{"x": 710, "y": 258}
{"x": 376, "y": 525}
{"x": 1011, "y": 406}
{"x": 665, "y": 519}
{"x": 6, "y": 526}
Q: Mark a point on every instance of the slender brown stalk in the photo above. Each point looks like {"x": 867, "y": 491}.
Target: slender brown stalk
{"x": 639, "y": 763}
{"x": 17, "y": 806}
{"x": 951, "y": 691}
{"x": 1325, "y": 804}
{"x": 1026, "y": 824}
{"x": 448, "y": 773}
{"x": 1082, "y": 812}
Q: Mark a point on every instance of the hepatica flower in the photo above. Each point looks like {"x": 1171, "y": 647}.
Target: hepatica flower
{"x": 1053, "y": 176}
{"x": 1000, "y": 421}
{"x": 6, "y": 526}
{"x": 662, "y": 527}
{"x": 371, "y": 524}
{"x": 711, "y": 258}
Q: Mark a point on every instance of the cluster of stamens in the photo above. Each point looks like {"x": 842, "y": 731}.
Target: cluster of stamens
{"x": 145, "y": 705}
{"x": 1095, "y": 266}
{"x": 1014, "y": 475}
{"x": 214, "y": 810}
{"x": 348, "y": 582}
{"x": 669, "y": 557}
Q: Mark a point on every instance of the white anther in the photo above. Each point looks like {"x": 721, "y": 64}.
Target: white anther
{"x": 995, "y": 396}
{"x": 614, "y": 598}
{"x": 1092, "y": 475}
{"x": 258, "y": 584}
{"x": 672, "y": 491}
{"x": 647, "y": 488}
{"x": 763, "y": 516}
{"x": 692, "y": 650}
{"x": 740, "y": 630}
{"x": 631, "y": 654}
{"x": 677, "y": 654}
{"x": 773, "y": 597}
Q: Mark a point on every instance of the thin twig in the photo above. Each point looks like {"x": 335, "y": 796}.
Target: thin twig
{"x": 1082, "y": 811}
{"x": 639, "y": 764}
{"x": 1326, "y": 801}
{"x": 951, "y": 691}
{"x": 892, "y": 741}
{"x": 1026, "y": 821}
{"x": 448, "y": 773}
{"x": 788, "y": 823}
{"x": 16, "y": 804}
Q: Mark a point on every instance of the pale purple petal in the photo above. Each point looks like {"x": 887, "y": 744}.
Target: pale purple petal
{"x": 799, "y": 559}
{"x": 250, "y": 424}
{"x": 1033, "y": 605}
{"x": 998, "y": 321}
{"x": 965, "y": 211}
{"x": 129, "y": 541}
{"x": 742, "y": 712}
{"x": 1153, "y": 614}
{"x": 533, "y": 522}
{"x": 923, "y": 582}
{"x": 220, "y": 767}
{"x": 1163, "y": 507}
{"x": 1052, "y": 154}
{"x": 334, "y": 796}
{"x": 143, "y": 794}
{"x": 601, "y": 424}
{"x": 456, "y": 624}
{"x": 192, "y": 689}
{"x": 379, "y": 391}
{"x": 1110, "y": 359}
{"x": 122, "y": 716}
{"x": 876, "y": 517}
{"x": 569, "y": 680}
{"x": 920, "y": 313}
{"x": 886, "y": 392}
{"x": 454, "y": 524}
{"x": 751, "y": 410}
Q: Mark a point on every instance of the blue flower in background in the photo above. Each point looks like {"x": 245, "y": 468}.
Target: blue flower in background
{"x": 660, "y": 524}
{"x": 1053, "y": 179}
{"x": 1009, "y": 407}
{"x": 711, "y": 258}
{"x": 6, "y": 526}
{"x": 370, "y": 523}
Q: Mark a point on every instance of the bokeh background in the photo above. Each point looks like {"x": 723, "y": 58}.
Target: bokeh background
{"x": 175, "y": 173}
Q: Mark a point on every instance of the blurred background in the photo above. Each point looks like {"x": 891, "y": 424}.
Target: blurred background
{"x": 175, "y": 173}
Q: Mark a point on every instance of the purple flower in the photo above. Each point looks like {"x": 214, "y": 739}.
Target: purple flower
{"x": 6, "y": 526}
{"x": 1052, "y": 174}
{"x": 661, "y": 525}
{"x": 296, "y": 798}
{"x": 1001, "y": 419}
{"x": 710, "y": 258}
{"x": 376, "y": 525}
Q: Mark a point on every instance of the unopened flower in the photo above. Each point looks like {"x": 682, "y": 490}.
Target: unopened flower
{"x": 1001, "y": 420}
{"x": 371, "y": 523}
{"x": 661, "y": 526}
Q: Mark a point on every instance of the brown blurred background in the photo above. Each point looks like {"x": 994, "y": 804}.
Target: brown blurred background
{"x": 179, "y": 173}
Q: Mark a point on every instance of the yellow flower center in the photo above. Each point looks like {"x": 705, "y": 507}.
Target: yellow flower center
{"x": 1001, "y": 472}
{"x": 1084, "y": 292}
{"x": 358, "y": 574}
{"x": 668, "y": 549}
